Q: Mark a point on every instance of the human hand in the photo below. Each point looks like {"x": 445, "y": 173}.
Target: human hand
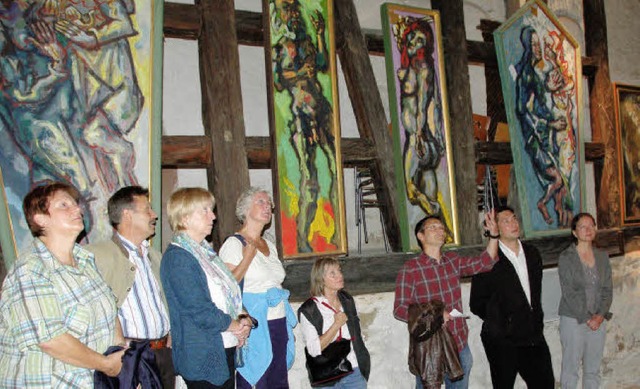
{"x": 559, "y": 124}
{"x": 45, "y": 41}
{"x": 490, "y": 223}
{"x": 113, "y": 363}
{"x": 446, "y": 316}
{"x": 249, "y": 251}
{"x": 595, "y": 322}
{"x": 340, "y": 318}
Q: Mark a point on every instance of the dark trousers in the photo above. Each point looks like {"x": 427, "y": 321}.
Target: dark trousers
{"x": 276, "y": 376}
{"x": 164, "y": 361}
{"x": 228, "y": 384}
{"x": 532, "y": 362}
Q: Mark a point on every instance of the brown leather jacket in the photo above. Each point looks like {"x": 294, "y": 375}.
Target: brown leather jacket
{"x": 432, "y": 350}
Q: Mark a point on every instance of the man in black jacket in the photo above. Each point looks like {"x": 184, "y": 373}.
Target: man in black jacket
{"x": 508, "y": 300}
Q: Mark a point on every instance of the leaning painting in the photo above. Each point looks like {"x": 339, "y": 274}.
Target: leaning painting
{"x": 541, "y": 73}
{"x": 627, "y": 101}
{"x": 78, "y": 104}
{"x": 305, "y": 127}
{"x": 420, "y": 118}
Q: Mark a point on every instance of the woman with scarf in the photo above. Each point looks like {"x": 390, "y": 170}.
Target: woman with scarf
{"x": 203, "y": 296}
{"x": 255, "y": 264}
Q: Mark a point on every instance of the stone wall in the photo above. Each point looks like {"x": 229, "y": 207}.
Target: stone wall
{"x": 387, "y": 340}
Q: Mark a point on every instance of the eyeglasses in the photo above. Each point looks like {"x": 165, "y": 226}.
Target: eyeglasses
{"x": 433, "y": 227}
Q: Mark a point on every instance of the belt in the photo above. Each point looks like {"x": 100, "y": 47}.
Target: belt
{"x": 155, "y": 344}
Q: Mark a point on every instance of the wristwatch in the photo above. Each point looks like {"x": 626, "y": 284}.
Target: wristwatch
{"x": 493, "y": 236}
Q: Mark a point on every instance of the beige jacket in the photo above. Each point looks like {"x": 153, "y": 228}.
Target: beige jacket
{"x": 112, "y": 260}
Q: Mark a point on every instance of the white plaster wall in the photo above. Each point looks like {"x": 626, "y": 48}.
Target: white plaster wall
{"x": 387, "y": 339}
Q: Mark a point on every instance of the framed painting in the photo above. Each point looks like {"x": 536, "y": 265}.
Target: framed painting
{"x": 420, "y": 119}
{"x": 540, "y": 69}
{"x": 627, "y": 105}
{"x": 81, "y": 104}
{"x": 305, "y": 127}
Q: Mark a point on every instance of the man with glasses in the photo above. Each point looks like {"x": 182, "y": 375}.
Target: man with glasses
{"x": 435, "y": 275}
{"x": 507, "y": 299}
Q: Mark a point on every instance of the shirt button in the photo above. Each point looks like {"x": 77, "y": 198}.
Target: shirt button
{"x": 129, "y": 289}
{"x": 133, "y": 268}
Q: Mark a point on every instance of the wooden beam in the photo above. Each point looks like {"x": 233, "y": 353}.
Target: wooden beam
{"x": 182, "y": 21}
{"x": 602, "y": 114}
{"x": 369, "y": 112}
{"x": 460, "y": 115}
{"x": 228, "y": 175}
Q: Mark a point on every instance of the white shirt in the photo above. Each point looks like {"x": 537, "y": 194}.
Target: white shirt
{"x": 519, "y": 262}
{"x": 264, "y": 272}
{"x": 312, "y": 339}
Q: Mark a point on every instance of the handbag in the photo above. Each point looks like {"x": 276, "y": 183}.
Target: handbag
{"x": 331, "y": 365}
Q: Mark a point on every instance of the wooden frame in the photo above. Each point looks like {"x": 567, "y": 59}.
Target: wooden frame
{"x": 86, "y": 116}
{"x": 541, "y": 73}
{"x": 424, "y": 163}
{"x": 305, "y": 127}
{"x": 627, "y": 106}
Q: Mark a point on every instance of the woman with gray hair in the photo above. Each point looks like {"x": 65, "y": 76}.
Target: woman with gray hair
{"x": 254, "y": 262}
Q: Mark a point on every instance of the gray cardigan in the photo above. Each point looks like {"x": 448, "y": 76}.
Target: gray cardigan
{"x": 573, "y": 302}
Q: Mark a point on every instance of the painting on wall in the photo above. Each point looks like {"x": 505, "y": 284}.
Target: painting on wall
{"x": 79, "y": 105}
{"x": 541, "y": 72}
{"x": 627, "y": 104}
{"x": 305, "y": 128}
{"x": 420, "y": 119}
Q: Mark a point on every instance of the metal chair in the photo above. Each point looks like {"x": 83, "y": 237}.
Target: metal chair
{"x": 366, "y": 198}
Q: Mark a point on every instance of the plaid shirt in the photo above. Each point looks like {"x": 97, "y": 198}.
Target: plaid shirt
{"x": 423, "y": 279}
{"x": 43, "y": 299}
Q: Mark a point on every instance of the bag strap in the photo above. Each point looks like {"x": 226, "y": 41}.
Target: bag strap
{"x": 334, "y": 311}
{"x": 244, "y": 243}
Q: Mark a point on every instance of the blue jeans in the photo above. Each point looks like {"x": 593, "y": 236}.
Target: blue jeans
{"x": 354, "y": 380}
{"x": 466, "y": 360}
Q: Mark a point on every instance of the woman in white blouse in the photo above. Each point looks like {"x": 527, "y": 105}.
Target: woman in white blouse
{"x": 334, "y": 311}
{"x": 254, "y": 262}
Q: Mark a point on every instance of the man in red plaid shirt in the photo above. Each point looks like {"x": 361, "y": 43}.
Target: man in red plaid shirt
{"x": 434, "y": 275}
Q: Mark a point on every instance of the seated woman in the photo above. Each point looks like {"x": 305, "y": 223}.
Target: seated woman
{"x": 57, "y": 315}
{"x": 334, "y": 311}
{"x": 254, "y": 262}
{"x": 587, "y": 293}
{"x": 203, "y": 297}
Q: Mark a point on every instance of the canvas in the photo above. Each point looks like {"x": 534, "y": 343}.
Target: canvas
{"x": 541, "y": 72}
{"x": 305, "y": 128}
{"x": 420, "y": 119}
{"x": 79, "y": 105}
{"x": 627, "y": 105}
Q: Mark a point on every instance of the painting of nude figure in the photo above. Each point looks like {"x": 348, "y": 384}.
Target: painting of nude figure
{"x": 305, "y": 128}
{"x": 420, "y": 119}
{"x": 627, "y": 105}
{"x": 541, "y": 72}
{"x": 77, "y": 104}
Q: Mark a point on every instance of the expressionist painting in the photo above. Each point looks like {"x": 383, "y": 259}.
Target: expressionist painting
{"x": 305, "y": 128}
{"x": 420, "y": 118}
{"x": 627, "y": 101}
{"x": 78, "y": 104}
{"x": 540, "y": 70}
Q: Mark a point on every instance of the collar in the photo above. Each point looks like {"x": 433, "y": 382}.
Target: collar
{"x": 506, "y": 250}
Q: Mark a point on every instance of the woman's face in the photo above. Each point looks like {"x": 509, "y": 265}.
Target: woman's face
{"x": 585, "y": 230}
{"x": 199, "y": 223}
{"x": 333, "y": 279}
{"x": 64, "y": 215}
{"x": 261, "y": 209}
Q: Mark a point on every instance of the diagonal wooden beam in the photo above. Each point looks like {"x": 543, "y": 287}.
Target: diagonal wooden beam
{"x": 222, "y": 116}
{"x": 368, "y": 110}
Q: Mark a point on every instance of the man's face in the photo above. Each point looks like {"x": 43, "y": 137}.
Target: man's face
{"x": 432, "y": 234}
{"x": 508, "y": 225}
{"x": 143, "y": 217}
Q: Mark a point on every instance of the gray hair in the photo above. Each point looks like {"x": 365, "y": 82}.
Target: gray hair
{"x": 245, "y": 200}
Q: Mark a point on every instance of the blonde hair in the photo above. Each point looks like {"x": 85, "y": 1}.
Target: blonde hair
{"x": 317, "y": 274}
{"x": 183, "y": 202}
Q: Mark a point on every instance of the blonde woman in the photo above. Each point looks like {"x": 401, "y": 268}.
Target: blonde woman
{"x": 203, "y": 297}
